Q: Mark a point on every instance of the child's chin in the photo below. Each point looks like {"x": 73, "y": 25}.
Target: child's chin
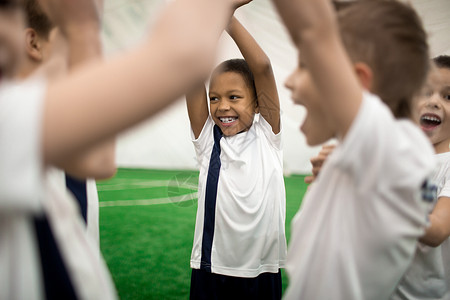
{"x": 229, "y": 132}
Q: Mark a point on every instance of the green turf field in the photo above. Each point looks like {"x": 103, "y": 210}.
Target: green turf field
{"x": 147, "y": 222}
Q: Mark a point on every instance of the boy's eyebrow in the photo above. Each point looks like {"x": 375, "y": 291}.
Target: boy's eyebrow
{"x": 234, "y": 91}
{"x": 228, "y": 91}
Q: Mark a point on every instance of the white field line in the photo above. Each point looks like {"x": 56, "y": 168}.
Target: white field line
{"x": 167, "y": 200}
{"x": 142, "y": 184}
{"x": 134, "y": 185}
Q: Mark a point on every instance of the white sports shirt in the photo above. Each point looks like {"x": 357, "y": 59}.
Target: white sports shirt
{"x": 21, "y": 185}
{"x": 249, "y": 229}
{"x": 428, "y": 277}
{"x": 27, "y": 190}
{"x": 356, "y": 231}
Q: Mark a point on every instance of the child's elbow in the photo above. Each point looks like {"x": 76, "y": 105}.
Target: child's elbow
{"x": 263, "y": 66}
{"x": 107, "y": 172}
{"x": 433, "y": 243}
{"x": 435, "y": 239}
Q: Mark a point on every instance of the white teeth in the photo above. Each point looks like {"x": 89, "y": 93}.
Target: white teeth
{"x": 227, "y": 119}
{"x": 431, "y": 119}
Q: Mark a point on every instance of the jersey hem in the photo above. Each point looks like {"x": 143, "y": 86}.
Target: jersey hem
{"x": 242, "y": 273}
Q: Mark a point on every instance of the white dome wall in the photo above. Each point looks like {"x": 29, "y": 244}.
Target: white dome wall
{"x": 164, "y": 141}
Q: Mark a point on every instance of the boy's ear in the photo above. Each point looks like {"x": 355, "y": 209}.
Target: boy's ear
{"x": 33, "y": 45}
{"x": 364, "y": 74}
{"x": 256, "y": 106}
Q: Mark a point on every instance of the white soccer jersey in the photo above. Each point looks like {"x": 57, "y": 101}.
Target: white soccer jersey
{"x": 20, "y": 190}
{"x": 356, "y": 231}
{"x": 28, "y": 191}
{"x": 249, "y": 228}
{"x": 428, "y": 276}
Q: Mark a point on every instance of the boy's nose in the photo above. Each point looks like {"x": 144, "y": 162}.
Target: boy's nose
{"x": 433, "y": 101}
{"x": 223, "y": 106}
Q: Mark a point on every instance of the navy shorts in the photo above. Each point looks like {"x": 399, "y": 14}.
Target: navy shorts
{"x": 209, "y": 286}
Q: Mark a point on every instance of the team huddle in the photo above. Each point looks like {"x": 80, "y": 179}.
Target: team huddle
{"x": 375, "y": 221}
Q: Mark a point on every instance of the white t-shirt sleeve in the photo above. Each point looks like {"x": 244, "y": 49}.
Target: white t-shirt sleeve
{"x": 445, "y": 192}
{"x": 203, "y": 142}
{"x": 274, "y": 139}
{"x": 21, "y": 169}
{"x": 444, "y": 160}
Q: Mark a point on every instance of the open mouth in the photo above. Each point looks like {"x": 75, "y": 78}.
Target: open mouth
{"x": 429, "y": 121}
{"x": 227, "y": 120}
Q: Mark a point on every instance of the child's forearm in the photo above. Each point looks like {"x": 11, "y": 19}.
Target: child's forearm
{"x": 439, "y": 229}
{"x": 259, "y": 64}
{"x": 301, "y": 16}
{"x": 253, "y": 54}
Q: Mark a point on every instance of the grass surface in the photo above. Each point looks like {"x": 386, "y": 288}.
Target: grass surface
{"x": 147, "y": 220}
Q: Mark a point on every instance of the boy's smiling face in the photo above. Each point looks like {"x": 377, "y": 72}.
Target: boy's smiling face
{"x": 12, "y": 48}
{"x": 434, "y": 109}
{"x": 315, "y": 126}
{"x": 232, "y": 103}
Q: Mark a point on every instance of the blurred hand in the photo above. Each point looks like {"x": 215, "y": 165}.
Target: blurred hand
{"x": 318, "y": 161}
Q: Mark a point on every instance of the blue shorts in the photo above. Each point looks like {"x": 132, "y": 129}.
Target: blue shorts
{"x": 209, "y": 286}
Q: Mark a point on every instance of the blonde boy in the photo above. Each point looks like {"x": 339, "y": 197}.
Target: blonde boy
{"x": 359, "y": 223}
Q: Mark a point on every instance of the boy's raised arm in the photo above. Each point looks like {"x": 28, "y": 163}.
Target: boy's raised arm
{"x": 259, "y": 64}
{"x": 115, "y": 95}
{"x": 313, "y": 28}
{"x": 197, "y": 106}
{"x": 197, "y": 101}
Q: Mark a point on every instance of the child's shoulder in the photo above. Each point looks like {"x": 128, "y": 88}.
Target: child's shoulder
{"x": 377, "y": 137}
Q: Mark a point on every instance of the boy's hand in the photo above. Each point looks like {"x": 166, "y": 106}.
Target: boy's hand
{"x": 73, "y": 16}
{"x": 318, "y": 161}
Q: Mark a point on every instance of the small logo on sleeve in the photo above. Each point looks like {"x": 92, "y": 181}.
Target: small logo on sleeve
{"x": 429, "y": 191}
